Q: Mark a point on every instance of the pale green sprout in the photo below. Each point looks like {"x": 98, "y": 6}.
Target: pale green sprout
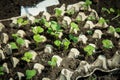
{"x": 27, "y": 56}
{"x": 107, "y": 44}
{"x": 89, "y": 49}
{"x": 30, "y": 74}
{"x": 53, "y": 62}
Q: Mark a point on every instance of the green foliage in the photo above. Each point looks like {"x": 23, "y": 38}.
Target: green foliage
{"x": 37, "y": 30}
{"x": 21, "y": 21}
{"x": 13, "y": 45}
{"x": 53, "y": 62}
{"x": 87, "y": 4}
{"x": 78, "y": 18}
{"x": 57, "y": 43}
{"x": 20, "y": 41}
{"x": 65, "y": 43}
{"x": 89, "y": 49}
{"x": 111, "y": 29}
{"x": 117, "y": 30}
{"x": 58, "y": 12}
{"x": 109, "y": 11}
{"x": 38, "y": 38}
{"x": 90, "y": 32}
{"x": 1, "y": 70}
{"x": 43, "y": 20}
{"x": 55, "y": 26}
{"x": 27, "y": 56}
{"x": 71, "y": 11}
{"x": 91, "y": 18}
{"x": 107, "y": 44}
{"x": 15, "y": 36}
{"x": 30, "y": 74}
{"x": 102, "y": 21}
{"x": 74, "y": 27}
{"x": 73, "y": 38}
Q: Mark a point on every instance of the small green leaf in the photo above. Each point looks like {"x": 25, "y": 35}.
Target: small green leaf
{"x": 111, "y": 29}
{"x": 66, "y": 43}
{"x": 102, "y": 21}
{"x": 107, "y": 44}
{"x": 1, "y": 70}
{"x": 73, "y": 38}
{"x": 38, "y": 38}
{"x": 27, "y": 56}
{"x": 112, "y": 10}
{"x": 89, "y": 49}
{"x": 20, "y": 20}
{"x": 30, "y": 74}
{"x": 15, "y": 36}
{"x": 13, "y": 45}
{"x": 58, "y": 12}
{"x": 71, "y": 11}
{"x": 57, "y": 43}
{"x": 20, "y": 41}
{"x": 53, "y": 62}
{"x": 37, "y": 30}
{"x": 117, "y": 30}
{"x": 55, "y": 26}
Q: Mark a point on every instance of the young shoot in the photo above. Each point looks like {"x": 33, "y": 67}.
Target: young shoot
{"x": 1, "y": 70}
{"x": 107, "y": 44}
{"x": 102, "y": 21}
{"x": 111, "y": 29}
{"x": 13, "y": 45}
{"x": 87, "y": 4}
{"x": 74, "y": 28}
{"x": 30, "y": 74}
{"x": 21, "y": 21}
{"x": 38, "y": 38}
{"x": 20, "y": 41}
{"x": 53, "y": 62}
{"x": 73, "y": 38}
{"x": 57, "y": 43}
{"x": 71, "y": 11}
{"x": 58, "y": 12}
{"x": 65, "y": 43}
{"x": 37, "y": 30}
{"x": 89, "y": 49}
{"x": 27, "y": 57}
{"x": 43, "y": 20}
{"x": 109, "y": 11}
{"x": 91, "y": 18}
{"x": 117, "y": 30}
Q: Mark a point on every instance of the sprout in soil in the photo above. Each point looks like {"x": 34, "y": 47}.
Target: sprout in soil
{"x": 89, "y": 49}
{"x": 1, "y": 70}
{"x": 78, "y": 18}
{"x": 43, "y": 20}
{"x": 87, "y": 4}
{"x": 27, "y": 57}
{"x": 71, "y": 11}
{"x": 39, "y": 38}
{"x": 57, "y": 43}
{"x": 91, "y": 18}
{"x": 74, "y": 28}
{"x": 73, "y": 38}
{"x": 102, "y": 21}
{"x": 21, "y": 21}
{"x": 37, "y": 29}
{"x": 58, "y": 12}
{"x": 111, "y": 29}
{"x": 53, "y": 62}
{"x": 13, "y": 45}
{"x": 89, "y": 32}
{"x": 107, "y": 44}
{"x": 20, "y": 41}
{"x": 65, "y": 43}
{"x": 109, "y": 11}
{"x": 117, "y": 30}
{"x": 30, "y": 74}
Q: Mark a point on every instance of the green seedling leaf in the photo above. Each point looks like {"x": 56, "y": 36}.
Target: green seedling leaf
{"x": 107, "y": 44}
{"x": 89, "y": 49}
{"x": 102, "y": 21}
{"x": 57, "y": 43}
{"x": 66, "y": 43}
{"x": 53, "y": 62}
{"x": 47, "y": 24}
{"x": 20, "y": 41}
{"x": 87, "y": 4}
{"x": 71, "y": 11}
{"x": 15, "y": 36}
{"x": 111, "y": 29}
{"x": 20, "y": 20}
{"x": 73, "y": 38}
{"x": 36, "y": 20}
{"x": 27, "y": 56}
{"x": 30, "y": 74}
{"x": 55, "y": 26}
{"x": 58, "y": 12}
{"x": 38, "y": 38}
{"x": 37, "y": 30}
{"x": 13, "y": 45}
{"x": 105, "y": 10}
{"x": 74, "y": 27}
{"x": 117, "y": 30}
{"x": 112, "y": 10}
{"x": 1, "y": 70}
{"x": 90, "y": 32}
{"x": 43, "y": 20}
{"x": 91, "y": 18}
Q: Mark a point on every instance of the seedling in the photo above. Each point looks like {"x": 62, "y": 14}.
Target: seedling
{"x": 74, "y": 27}
{"x": 89, "y": 49}
{"x": 13, "y": 45}
{"x": 89, "y": 32}
{"x": 43, "y": 20}
{"x": 71, "y": 11}
{"x": 37, "y": 30}
{"x": 20, "y": 41}
{"x": 21, "y": 21}
{"x": 58, "y": 12}
{"x": 1, "y": 70}
{"x": 57, "y": 43}
{"x": 102, "y": 21}
{"x": 27, "y": 56}
{"x": 73, "y": 38}
{"x": 15, "y": 36}
{"x": 38, "y": 38}
{"x": 107, "y": 44}
{"x": 91, "y": 18}
{"x": 111, "y": 29}
{"x": 65, "y": 43}
{"x": 117, "y": 30}
{"x": 78, "y": 18}
{"x": 109, "y": 11}
{"x": 53, "y": 62}
{"x": 30, "y": 74}
{"x": 87, "y": 4}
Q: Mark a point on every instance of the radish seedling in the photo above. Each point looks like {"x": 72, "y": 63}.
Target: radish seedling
{"x": 1, "y": 70}
{"x": 58, "y": 12}
{"x": 30, "y": 74}
{"x": 27, "y": 57}
{"x": 107, "y": 44}
{"x": 13, "y": 45}
{"x": 89, "y": 49}
{"x": 53, "y": 62}
{"x": 65, "y": 43}
{"x": 74, "y": 28}
{"x": 37, "y": 29}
